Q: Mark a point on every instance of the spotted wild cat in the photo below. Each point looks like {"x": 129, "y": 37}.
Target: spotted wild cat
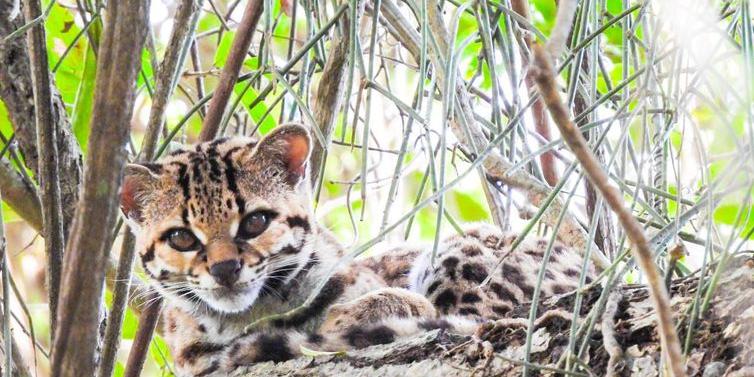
{"x": 226, "y": 234}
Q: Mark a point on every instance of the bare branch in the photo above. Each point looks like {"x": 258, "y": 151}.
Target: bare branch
{"x": 563, "y": 21}
{"x": 87, "y": 250}
{"x": 20, "y": 195}
{"x": 49, "y": 181}
{"x": 140, "y": 348}
{"x": 118, "y": 308}
{"x": 329, "y": 96}
{"x": 238, "y": 49}
{"x": 545, "y": 77}
{"x": 538, "y": 111}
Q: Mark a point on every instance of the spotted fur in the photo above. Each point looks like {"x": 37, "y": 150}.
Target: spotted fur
{"x": 228, "y": 278}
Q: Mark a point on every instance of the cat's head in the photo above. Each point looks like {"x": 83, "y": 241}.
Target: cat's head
{"x": 220, "y": 223}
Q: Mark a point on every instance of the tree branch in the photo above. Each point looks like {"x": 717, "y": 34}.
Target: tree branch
{"x": 169, "y": 74}
{"x": 545, "y": 77}
{"x": 238, "y": 50}
{"x": 87, "y": 250}
{"x": 147, "y": 323}
{"x": 49, "y": 181}
{"x": 20, "y": 195}
{"x": 11, "y": 355}
{"x": 328, "y": 97}
{"x": 538, "y": 111}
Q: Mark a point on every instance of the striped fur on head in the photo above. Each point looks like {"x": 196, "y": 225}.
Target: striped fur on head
{"x": 221, "y": 222}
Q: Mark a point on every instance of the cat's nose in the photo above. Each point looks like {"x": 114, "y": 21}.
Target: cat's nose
{"x": 226, "y": 272}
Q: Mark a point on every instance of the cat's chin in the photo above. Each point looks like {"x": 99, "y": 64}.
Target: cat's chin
{"x": 230, "y": 300}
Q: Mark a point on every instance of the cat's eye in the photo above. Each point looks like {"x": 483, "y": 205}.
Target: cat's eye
{"x": 254, "y": 224}
{"x": 182, "y": 240}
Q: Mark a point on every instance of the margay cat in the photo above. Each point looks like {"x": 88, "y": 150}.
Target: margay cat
{"x": 226, "y": 233}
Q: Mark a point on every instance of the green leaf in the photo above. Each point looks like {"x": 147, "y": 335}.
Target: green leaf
{"x": 728, "y": 213}
{"x": 468, "y": 206}
{"x": 5, "y": 125}
{"x": 223, "y": 49}
{"x": 61, "y": 31}
{"x": 208, "y": 22}
{"x": 119, "y": 370}
{"x": 543, "y": 15}
{"x": 9, "y": 216}
{"x": 130, "y": 325}
{"x": 248, "y": 95}
{"x": 159, "y": 351}
{"x": 146, "y": 69}
{"x": 82, "y": 109}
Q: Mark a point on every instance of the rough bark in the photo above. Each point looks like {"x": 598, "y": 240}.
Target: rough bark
{"x": 48, "y": 171}
{"x": 721, "y": 346}
{"x": 90, "y": 237}
{"x": 329, "y": 96}
{"x": 16, "y": 92}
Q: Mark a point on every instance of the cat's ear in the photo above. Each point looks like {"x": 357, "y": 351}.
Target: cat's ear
{"x": 285, "y": 149}
{"x": 138, "y": 181}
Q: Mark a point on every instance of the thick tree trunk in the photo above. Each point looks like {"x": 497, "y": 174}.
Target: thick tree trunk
{"x": 722, "y": 342}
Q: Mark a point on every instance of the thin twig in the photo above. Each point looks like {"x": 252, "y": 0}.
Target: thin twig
{"x": 7, "y": 345}
{"x": 181, "y": 37}
{"x": 13, "y": 364}
{"x": 469, "y": 134}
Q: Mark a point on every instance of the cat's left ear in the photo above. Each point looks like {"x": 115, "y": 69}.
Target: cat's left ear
{"x": 285, "y": 149}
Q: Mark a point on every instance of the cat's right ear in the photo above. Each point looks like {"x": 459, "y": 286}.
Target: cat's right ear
{"x": 138, "y": 182}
